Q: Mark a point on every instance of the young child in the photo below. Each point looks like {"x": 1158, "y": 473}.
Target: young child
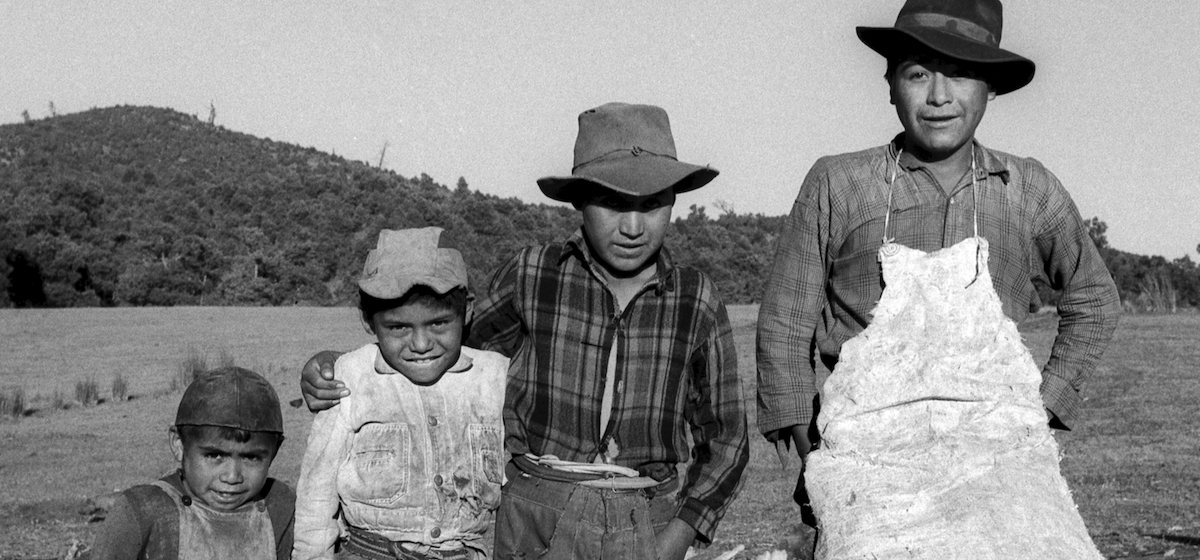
{"x": 220, "y": 503}
{"x": 413, "y": 458}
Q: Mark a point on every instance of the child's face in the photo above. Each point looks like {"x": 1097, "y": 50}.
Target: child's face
{"x": 224, "y": 474}
{"x": 419, "y": 340}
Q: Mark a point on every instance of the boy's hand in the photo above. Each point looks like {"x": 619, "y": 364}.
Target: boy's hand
{"x": 674, "y": 540}
{"x": 321, "y": 391}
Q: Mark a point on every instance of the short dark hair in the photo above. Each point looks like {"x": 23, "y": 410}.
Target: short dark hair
{"x": 191, "y": 432}
{"x": 455, "y": 300}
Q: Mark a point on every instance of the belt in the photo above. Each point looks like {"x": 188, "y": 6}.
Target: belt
{"x": 618, "y": 484}
{"x": 374, "y": 547}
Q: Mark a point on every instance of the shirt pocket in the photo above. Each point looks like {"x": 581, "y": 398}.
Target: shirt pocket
{"x": 486, "y": 452}
{"x": 381, "y": 458}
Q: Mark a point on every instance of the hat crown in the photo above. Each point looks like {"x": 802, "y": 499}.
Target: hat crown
{"x": 615, "y": 128}
{"x": 981, "y": 21}
{"x": 405, "y": 258}
{"x": 231, "y": 397}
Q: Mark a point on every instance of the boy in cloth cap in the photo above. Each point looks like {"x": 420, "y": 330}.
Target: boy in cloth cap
{"x": 220, "y": 504}
{"x": 413, "y": 458}
{"x": 623, "y": 364}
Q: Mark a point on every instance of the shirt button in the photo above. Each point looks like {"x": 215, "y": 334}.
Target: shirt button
{"x": 432, "y": 420}
{"x": 435, "y": 532}
{"x": 437, "y": 480}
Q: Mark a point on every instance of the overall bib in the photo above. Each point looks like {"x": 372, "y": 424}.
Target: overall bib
{"x": 935, "y": 441}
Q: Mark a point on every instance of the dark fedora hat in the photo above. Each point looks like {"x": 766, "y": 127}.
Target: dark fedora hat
{"x": 629, "y": 149}
{"x": 962, "y": 30}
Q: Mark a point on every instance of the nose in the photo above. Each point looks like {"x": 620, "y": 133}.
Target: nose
{"x": 939, "y": 89}
{"x": 632, "y": 224}
{"x": 232, "y": 473}
{"x": 420, "y": 342}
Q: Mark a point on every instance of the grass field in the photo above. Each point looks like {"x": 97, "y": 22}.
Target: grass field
{"x": 1130, "y": 461}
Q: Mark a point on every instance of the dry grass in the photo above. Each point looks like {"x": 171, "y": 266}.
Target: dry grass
{"x": 13, "y": 403}
{"x": 120, "y": 389}
{"x": 87, "y": 392}
{"x": 1129, "y": 460}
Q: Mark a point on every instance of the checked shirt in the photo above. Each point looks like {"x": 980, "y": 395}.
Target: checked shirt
{"x": 676, "y": 371}
{"x": 834, "y": 233}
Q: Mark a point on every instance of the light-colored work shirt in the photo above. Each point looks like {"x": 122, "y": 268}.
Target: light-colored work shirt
{"x": 415, "y": 464}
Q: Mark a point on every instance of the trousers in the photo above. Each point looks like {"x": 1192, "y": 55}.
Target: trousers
{"x": 542, "y": 518}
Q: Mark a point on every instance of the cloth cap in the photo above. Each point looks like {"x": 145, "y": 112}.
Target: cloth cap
{"x": 405, "y": 258}
{"x": 231, "y": 397}
{"x": 629, "y": 149}
{"x": 965, "y": 31}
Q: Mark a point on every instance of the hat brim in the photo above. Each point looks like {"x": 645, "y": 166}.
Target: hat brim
{"x": 1004, "y": 71}
{"x": 383, "y": 287}
{"x": 636, "y": 176}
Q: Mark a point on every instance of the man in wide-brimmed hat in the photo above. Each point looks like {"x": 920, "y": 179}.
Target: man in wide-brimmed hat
{"x": 931, "y": 187}
{"x": 619, "y": 358}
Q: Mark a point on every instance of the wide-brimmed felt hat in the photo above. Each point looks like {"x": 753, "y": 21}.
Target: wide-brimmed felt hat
{"x": 962, "y": 30}
{"x": 405, "y": 258}
{"x": 629, "y": 149}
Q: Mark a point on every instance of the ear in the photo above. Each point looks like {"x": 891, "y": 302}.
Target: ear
{"x": 366, "y": 323}
{"x": 991, "y": 94}
{"x": 176, "y": 443}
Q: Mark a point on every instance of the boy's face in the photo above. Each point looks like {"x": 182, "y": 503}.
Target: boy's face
{"x": 626, "y": 231}
{"x": 224, "y": 474}
{"x": 419, "y": 339}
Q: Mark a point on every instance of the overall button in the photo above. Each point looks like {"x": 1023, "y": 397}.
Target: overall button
{"x": 432, "y": 420}
{"x": 435, "y": 532}
{"x": 437, "y": 480}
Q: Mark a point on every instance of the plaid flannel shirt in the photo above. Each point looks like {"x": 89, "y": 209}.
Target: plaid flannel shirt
{"x": 826, "y": 277}
{"x": 676, "y": 371}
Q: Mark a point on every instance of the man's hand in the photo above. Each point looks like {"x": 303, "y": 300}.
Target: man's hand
{"x": 321, "y": 391}
{"x": 674, "y": 540}
{"x": 785, "y": 438}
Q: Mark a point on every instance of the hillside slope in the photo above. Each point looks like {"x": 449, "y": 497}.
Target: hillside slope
{"x": 148, "y": 206}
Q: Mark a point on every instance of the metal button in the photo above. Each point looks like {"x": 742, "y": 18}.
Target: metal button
{"x": 435, "y": 532}
{"x": 432, "y": 420}
{"x": 437, "y": 480}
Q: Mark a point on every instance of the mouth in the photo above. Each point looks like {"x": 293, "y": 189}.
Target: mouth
{"x": 227, "y": 497}
{"x": 422, "y": 361}
{"x": 939, "y": 121}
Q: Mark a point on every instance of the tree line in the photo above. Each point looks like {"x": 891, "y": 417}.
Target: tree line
{"x": 148, "y": 206}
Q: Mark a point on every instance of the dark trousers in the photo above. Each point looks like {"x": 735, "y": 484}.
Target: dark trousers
{"x": 542, "y": 518}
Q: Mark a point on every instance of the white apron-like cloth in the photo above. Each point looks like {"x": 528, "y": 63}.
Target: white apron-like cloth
{"x": 935, "y": 441}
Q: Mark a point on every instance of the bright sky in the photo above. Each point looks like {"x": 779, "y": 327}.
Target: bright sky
{"x": 490, "y": 90}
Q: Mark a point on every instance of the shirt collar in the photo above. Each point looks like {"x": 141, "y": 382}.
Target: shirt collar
{"x": 986, "y": 161}
{"x": 464, "y": 363}
{"x": 578, "y": 247}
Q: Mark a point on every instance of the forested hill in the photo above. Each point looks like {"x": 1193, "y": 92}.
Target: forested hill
{"x": 149, "y": 206}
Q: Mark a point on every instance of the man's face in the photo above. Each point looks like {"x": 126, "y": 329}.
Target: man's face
{"x": 625, "y": 232}
{"x": 224, "y": 474}
{"x": 939, "y": 104}
{"x": 420, "y": 339}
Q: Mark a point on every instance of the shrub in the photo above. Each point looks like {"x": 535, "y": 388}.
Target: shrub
{"x": 120, "y": 389}
{"x": 192, "y": 365}
{"x": 87, "y": 391}
{"x": 13, "y": 403}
